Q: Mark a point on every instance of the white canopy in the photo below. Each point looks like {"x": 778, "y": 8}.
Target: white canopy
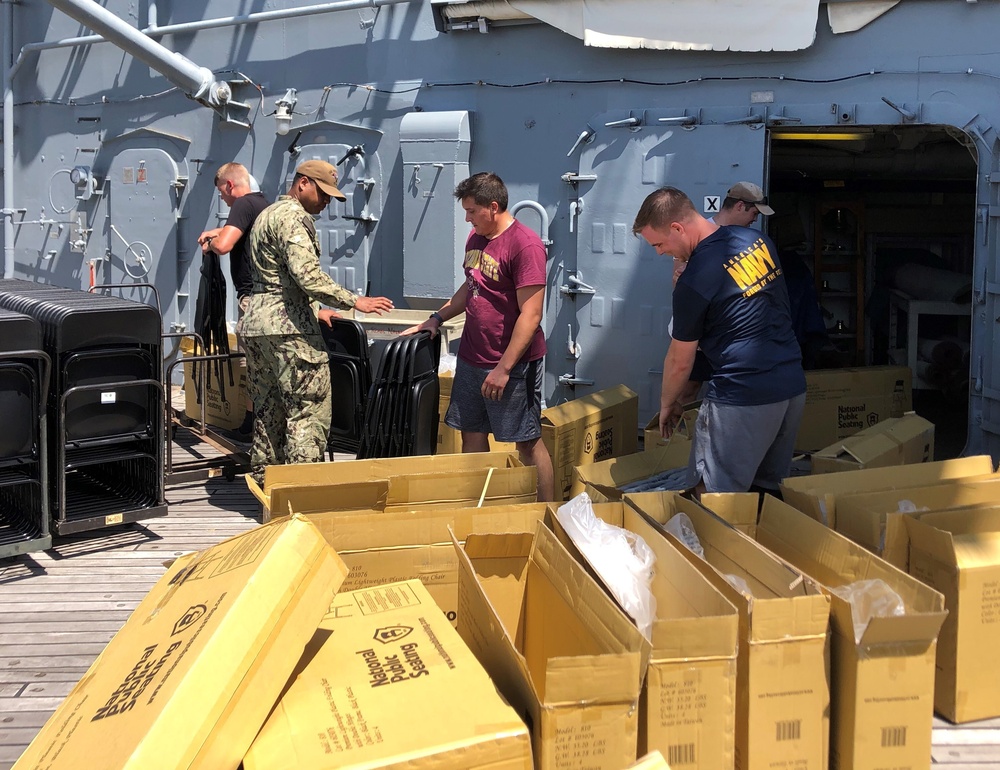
{"x": 686, "y": 25}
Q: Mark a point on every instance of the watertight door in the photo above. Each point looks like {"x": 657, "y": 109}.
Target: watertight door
{"x": 619, "y": 333}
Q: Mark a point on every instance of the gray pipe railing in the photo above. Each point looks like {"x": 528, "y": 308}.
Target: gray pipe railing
{"x": 8, "y": 138}
{"x": 198, "y": 82}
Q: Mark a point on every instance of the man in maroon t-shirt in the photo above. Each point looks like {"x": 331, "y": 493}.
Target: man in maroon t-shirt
{"x": 497, "y": 386}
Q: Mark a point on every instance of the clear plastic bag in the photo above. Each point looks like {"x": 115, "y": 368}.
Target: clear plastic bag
{"x": 869, "y": 599}
{"x": 623, "y": 559}
{"x": 447, "y": 363}
{"x": 680, "y": 526}
{"x": 740, "y": 585}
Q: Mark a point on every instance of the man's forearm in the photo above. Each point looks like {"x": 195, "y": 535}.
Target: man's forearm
{"x": 676, "y": 373}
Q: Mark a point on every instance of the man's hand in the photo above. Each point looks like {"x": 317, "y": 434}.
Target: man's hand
{"x": 326, "y": 316}
{"x": 377, "y": 305}
{"x": 669, "y": 418}
{"x": 494, "y": 384}
{"x": 430, "y": 325}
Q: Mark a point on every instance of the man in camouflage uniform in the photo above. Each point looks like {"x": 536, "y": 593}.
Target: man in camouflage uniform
{"x": 288, "y": 359}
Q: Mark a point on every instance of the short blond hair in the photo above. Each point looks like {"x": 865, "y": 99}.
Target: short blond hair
{"x": 233, "y": 172}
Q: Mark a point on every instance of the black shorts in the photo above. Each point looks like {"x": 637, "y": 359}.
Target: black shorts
{"x": 517, "y": 416}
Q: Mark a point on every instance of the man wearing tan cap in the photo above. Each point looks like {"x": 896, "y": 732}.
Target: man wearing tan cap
{"x": 742, "y": 204}
{"x": 288, "y": 360}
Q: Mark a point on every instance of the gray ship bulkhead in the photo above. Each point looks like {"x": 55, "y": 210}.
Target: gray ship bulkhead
{"x": 110, "y": 149}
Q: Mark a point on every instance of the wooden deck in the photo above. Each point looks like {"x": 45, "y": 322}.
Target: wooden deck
{"x": 58, "y": 609}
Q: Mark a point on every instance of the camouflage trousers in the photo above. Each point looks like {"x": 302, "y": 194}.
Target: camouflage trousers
{"x": 292, "y": 406}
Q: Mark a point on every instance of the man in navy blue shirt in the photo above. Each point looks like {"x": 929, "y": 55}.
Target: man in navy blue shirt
{"x": 731, "y": 302}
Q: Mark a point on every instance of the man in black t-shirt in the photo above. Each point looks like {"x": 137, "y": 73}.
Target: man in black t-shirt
{"x": 732, "y": 303}
{"x": 232, "y": 181}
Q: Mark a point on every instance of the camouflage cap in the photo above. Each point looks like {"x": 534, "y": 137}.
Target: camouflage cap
{"x": 324, "y": 175}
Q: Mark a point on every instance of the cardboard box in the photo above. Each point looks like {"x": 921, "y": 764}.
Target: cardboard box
{"x": 387, "y": 682}
{"x": 782, "y": 687}
{"x": 958, "y": 553}
{"x": 652, "y": 761}
{"x": 607, "y": 476}
{"x": 841, "y": 402}
{"x": 478, "y": 487}
{"x": 651, "y": 438}
{"x": 897, "y": 441}
{"x": 590, "y": 429}
{"x": 381, "y": 547}
{"x": 192, "y": 675}
{"x": 862, "y": 517}
{"x": 450, "y": 440}
{"x": 883, "y": 684}
{"x": 389, "y": 325}
{"x": 361, "y": 471}
{"x": 688, "y": 706}
{"x": 738, "y": 509}
{"x": 557, "y": 647}
{"x": 226, "y": 406}
{"x": 817, "y": 495}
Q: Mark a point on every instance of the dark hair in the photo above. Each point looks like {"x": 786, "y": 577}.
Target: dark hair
{"x": 729, "y": 203}
{"x": 661, "y": 207}
{"x": 484, "y": 188}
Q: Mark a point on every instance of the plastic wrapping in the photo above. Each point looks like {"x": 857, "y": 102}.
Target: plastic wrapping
{"x": 622, "y": 559}
{"x": 908, "y": 506}
{"x": 680, "y": 526}
{"x": 447, "y": 363}
{"x": 869, "y": 599}
{"x": 740, "y": 585}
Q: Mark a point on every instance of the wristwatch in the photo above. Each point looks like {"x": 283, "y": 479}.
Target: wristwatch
{"x": 437, "y": 315}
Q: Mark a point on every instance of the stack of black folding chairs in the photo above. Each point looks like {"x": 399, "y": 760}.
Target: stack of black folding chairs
{"x": 396, "y": 413}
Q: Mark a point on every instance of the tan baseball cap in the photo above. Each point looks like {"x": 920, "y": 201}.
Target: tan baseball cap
{"x": 324, "y": 175}
{"x": 748, "y": 192}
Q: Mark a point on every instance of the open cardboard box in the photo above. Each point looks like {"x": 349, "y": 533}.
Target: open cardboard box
{"x": 958, "y": 554}
{"x": 345, "y": 472}
{"x": 609, "y": 475}
{"x": 883, "y": 683}
{"x": 783, "y": 691}
{"x": 192, "y": 675}
{"x": 387, "y": 682}
{"x": 386, "y": 547}
{"x": 688, "y": 706}
{"x": 558, "y": 648}
{"x": 817, "y": 495}
{"x": 862, "y": 517}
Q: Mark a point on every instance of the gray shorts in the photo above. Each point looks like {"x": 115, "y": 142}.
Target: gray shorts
{"x": 736, "y": 447}
{"x": 517, "y": 416}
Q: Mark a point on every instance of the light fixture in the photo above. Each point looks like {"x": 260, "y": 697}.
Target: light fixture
{"x": 821, "y": 136}
{"x": 283, "y": 114}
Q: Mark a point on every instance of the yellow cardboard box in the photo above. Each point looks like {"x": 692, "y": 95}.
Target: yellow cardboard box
{"x": 739, "y": 509}
{"x": 226, "y": 406}
{"x": 841, "y": 402}
{"x": 883, "y": 684}
{"x": 590, "y": 429}
{"x": 902, "y": 440}
{"x": 651, "y": 438}
{"x": 958, "y": 554}
{"x": 387, "y": 547}
{"x": 557, "y": 647}
{"x": 782, "y": 687}
{"x": 387, "y": 682}
{"x": 652, "y": 761}
{"x": 862, "y": 517}
{"x": 192, "y": 675}
{"x": 817, "y": 495}
{"x": 688, "y": 708}
{"x": 344, "y": 472}
{"x": 607, "y": 476}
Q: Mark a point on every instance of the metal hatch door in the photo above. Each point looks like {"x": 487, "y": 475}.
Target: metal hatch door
{"x": 144, "y": 189}
{"x": 619, "y": 333}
